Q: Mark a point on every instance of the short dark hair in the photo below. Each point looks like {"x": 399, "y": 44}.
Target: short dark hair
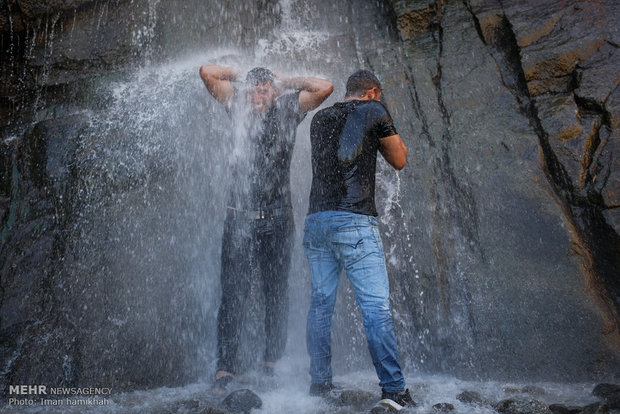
{"x": 360, "y": 82}
{"x": 259, "y": 75}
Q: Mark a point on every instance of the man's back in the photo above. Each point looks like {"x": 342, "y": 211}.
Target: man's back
{"x": 345, "y": 139}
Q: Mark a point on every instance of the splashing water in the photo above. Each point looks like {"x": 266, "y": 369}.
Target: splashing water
{"x": 154, "y": 177}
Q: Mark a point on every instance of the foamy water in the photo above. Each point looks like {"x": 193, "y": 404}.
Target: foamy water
{"x": 288, "y": 393}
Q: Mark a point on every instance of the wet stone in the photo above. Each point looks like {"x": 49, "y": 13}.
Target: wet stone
{"x": 189, "y": 406}
{"x": 512, "y": 406}
{"x": 212, "y": 410}
{"x": 473, "y": 398}
{"x": 533, "y": 390}
{"x": 596, "y": 408}
{"x": 356, "y": 398}
{"x": 606, "y": 390}
{"x": 610, "y": 393}
{"x": 241, "y": 401}
{"x": 562, "y": 409}
{"x": 443, "y": 407}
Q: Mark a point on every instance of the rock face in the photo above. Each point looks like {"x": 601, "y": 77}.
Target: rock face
{"x": 501, "y": 233}
{"x": 499, "y": 98}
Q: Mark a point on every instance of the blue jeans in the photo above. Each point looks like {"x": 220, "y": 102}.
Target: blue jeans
{"x": 336, "y": 240}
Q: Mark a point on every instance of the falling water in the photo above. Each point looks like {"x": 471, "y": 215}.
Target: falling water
{"x": 148, "y": 204}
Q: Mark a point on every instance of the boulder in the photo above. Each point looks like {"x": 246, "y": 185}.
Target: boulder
{"x": 519, "y": 406}
{"x": 241, "y": 401}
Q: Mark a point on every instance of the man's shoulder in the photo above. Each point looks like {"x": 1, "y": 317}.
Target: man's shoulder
{"x": 325, "y": 114}
{"x": 376, "y": 106}
{"x": 330, "y": 110}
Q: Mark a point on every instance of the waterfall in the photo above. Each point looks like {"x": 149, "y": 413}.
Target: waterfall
{"x": 115, "y": 173}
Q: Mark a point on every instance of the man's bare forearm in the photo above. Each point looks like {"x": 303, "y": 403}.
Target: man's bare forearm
{"x": 218, "y": 80}
{"x": 309, "y": 84}
{"x": 219, "y": 72}
{"x": 313, "y": 90}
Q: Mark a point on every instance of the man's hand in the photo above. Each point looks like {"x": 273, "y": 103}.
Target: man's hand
{"x": 218, "y": 80}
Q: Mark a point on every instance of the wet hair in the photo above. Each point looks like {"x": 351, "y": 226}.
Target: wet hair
{"x": 259, "y": 75}
{"x": 360, "y": 82}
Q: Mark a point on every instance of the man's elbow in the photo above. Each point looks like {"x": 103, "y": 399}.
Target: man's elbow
{"x": 400, "y": 163}
{"x": 326, "y": 89}
{"x": 204, "y": 72}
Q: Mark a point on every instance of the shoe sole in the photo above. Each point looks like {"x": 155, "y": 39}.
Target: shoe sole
{"x": 391, "y": 404}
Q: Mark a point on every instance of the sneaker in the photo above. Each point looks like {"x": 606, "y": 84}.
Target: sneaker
{"x": 396, "y": 401}
{"x": 321, "y": 390}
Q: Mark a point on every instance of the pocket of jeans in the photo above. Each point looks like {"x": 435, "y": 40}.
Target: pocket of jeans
{"x": 350, "y": 237}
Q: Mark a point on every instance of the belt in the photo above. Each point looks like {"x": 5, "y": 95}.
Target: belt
{"x": 258, "y": 214}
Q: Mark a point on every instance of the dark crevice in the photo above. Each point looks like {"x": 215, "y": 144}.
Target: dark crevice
{"x": 417, "y": 107}
{"x": 593, "y": 107}
{"x": 453, "y": 198}
{"x": 460, "y": 196}
{"x": 596, "y": 241}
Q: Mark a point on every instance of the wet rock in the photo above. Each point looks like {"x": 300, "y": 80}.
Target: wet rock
{"x": 212, "y": 410}
{"x": 356, "y": 398}
{"x": 443, "y": 407}
{"x": 562, "y": 409}
{"x": 474, "y": 398}
{"x": 596, "y": 408}
{"x": 4, "y": 207}
{"x": 610, "y": 393}
{"x": 499, "y": 185}
{"x": 241, "y": 401}
{"x": 514, "y": 406}
{"x": 533, "y": 390}
{"x": 190, "y": 406}
{"x": 606, "y": 390}
{"x": 414, "y": 20}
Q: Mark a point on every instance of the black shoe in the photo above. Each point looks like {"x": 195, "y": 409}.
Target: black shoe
{"x": 321, "y": 390}
{"x": 396, "y": 400}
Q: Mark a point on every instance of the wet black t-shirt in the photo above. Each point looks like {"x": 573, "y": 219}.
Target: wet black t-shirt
{"x": 262, "y": 153}
{"x": 345, "y": 140}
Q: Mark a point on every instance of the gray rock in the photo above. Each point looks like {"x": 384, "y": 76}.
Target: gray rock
{"x": 212, "y": 410}
{"x": 510, "y": 113}
{"x": 443, "y": 407}
{"x": 610, "y": 393}
{"x": 606, "y": 390}
{"x": 356, "y": 398}
{"x": 533, "y": 390}
{"x": 562, "y": 409}
{"x": 242, "y": 401}
{"x": 474, "y": 398}
{"x": 518, "y": 406}
{"x": 596, "y": 408}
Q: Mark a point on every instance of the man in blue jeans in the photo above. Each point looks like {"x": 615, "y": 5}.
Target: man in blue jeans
{"x": 341, "y": 231}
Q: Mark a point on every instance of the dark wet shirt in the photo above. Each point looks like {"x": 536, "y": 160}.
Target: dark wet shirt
{"x": 345, "y": 140}
{"x": 264, "y": 149}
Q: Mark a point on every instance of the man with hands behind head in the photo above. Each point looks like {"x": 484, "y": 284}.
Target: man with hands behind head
{"x": 258, "y": 230}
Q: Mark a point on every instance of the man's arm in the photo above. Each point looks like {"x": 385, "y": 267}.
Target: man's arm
{"x": 218, "y": 80}
{"x": 313, "y": 91}
{"x": 394, "y": 151}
